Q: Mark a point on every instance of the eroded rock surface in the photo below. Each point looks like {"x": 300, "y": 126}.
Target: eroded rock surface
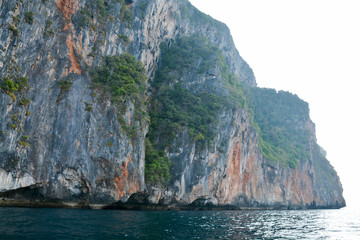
{"x": 65, "y": 153}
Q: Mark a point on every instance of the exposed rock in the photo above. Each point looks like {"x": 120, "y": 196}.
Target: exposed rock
{"x": 53, "y": 150}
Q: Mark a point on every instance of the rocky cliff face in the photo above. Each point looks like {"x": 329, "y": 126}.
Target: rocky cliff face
{"x": 232, "y": 170}
{"x": 61, "y": 139}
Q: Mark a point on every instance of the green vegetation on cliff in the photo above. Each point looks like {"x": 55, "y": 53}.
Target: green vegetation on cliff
{"x": 157, "y": 165}
{"x": 29, "y": 17}
{"x": 10, "y": 87}
{"x": 183, "y": 54}
{"x": 280, "y": 119}
{"x": 122, "y": 78}
{"x": 175, "y": 108}
{"x": 101, "y": 10}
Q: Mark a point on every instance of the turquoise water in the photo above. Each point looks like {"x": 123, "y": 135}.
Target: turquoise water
{"x": 27, "y": 223}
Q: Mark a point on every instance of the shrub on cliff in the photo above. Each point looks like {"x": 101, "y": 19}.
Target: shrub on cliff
{"x": 29, "y": 17}
{"x": 101, "y": 10}
{"x": 122, "y": 77}
{"x": 157, "y": 165}
{"x": 7, "y": 85}
{"x": 10, "y": 87}
{"x": 14, "y": 30}
{"x": 22, "y": 83}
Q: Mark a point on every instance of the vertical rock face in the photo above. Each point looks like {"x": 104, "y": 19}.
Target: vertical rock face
{"x": 73, "y": 154}
{"x": 240, "y": 175}
{"x": 232, "y": 169}
{"x": 52, "y": 140}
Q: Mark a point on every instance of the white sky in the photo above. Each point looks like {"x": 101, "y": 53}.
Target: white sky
{"x": 310, "y": 48}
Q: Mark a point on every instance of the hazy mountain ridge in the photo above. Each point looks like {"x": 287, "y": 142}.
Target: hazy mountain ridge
{"x": 73, "y": 143}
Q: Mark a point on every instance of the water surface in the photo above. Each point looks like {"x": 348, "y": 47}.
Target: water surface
{"x": 27, "y": 223}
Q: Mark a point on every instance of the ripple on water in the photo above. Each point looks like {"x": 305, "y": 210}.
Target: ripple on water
{"x": 23, "y": 223}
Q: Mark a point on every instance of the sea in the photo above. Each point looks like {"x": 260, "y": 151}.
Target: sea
{"x": 42, "y": 223}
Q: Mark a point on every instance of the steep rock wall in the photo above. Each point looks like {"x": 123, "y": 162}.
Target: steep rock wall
{"x": 74, "y": 155}
{"x": 240, "y": 177}
{"x": 231, "y": 169}
{"x": 69, "y": 154}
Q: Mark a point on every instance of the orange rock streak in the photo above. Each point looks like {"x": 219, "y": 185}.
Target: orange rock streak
{"x": 125, "y": 182}
{"x": 75, "y": 64}
{"x": 69, "y": 8}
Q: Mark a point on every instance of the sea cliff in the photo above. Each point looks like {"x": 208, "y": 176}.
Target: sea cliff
{"x": 128, "y": 104}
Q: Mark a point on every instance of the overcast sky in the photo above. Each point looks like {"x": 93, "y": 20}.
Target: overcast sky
{"x": 310, "y": 48}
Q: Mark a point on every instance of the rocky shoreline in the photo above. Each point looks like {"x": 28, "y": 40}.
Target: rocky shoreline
{"x": 30, "y": 197}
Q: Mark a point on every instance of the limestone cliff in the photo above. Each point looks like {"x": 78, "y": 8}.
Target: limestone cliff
{"x": 64, "y": 140}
